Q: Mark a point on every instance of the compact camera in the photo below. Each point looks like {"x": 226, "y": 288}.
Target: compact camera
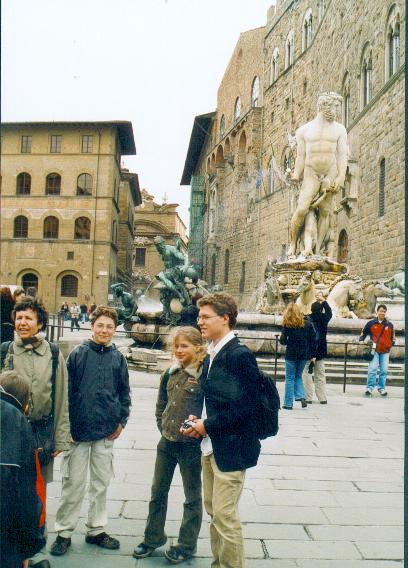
{"x": 187, "y": 424}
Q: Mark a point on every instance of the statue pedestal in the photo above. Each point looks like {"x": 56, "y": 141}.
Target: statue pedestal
{"x": 284, "y": 280}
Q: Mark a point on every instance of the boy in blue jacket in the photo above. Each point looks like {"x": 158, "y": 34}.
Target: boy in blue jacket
{"x": 99, "y": 402}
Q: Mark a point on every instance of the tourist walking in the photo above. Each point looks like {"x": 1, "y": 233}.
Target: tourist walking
{"x": 227, "y": 426}
{"x": 320, "y": 317}
{"x": 43, "y": 366}
{"x": 18, "y": 294}
{"x": 99, "y": 403}
{"x": 65, "y": 311}
{"x": 74, "y": 311}
{"x": 6, "y": 309}
{"x": 299, "y": 337}
{"x": 179, "y": 395}
{"x": 83, "y": 308}
{"x": 382, "y": 333}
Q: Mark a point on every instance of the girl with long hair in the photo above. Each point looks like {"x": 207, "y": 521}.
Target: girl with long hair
{"x": 179, "y": 396}
{"x": 299, "y": 337}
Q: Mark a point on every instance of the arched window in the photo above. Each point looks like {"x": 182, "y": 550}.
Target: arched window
{"x": 290, "y": 49}
{"x": 82, "y": 228}
{"x": 242, "y": 279}
{"x": 255, "y": 92}
{"x": 51, "y": 226}
{"x": 213, "y": 269}
{"x": 84, "y": 184}
{"x": 23, "y": 184}
{"x": 307, "y": 30}
{"x": 242, "y": 149}
{"x": 342, "y": 248}
{"x": 114, "y": 231}
{"x": 274, "y": 65}
{"x": 222, "y": 126}
{"x": 392, "y": 46}
{"x": 321, "y": 7}
{"x": 366, "y": 77}
{"x": 287, "y": 161}
{"x": 29, "y": 280}
{"x": 53, "y": 184}
{"x": 226, "y": 266}
{"x": 237, "y": 109}
{"x": 381, "y": 189}
{"x": 69, "y": 286}
{"x": 20, "y": 227}
{"x": 346, "y": 100}
{"x": 271, "y": 177}
{"x": 213, "y": 211}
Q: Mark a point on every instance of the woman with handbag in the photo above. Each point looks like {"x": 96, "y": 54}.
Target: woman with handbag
{"x": 43, "y": 365}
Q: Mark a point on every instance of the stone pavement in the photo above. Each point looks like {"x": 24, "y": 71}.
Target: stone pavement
{"x": 327, "y": 492}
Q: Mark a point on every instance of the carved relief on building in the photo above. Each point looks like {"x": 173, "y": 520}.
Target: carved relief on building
{"x": 142, "y": 241}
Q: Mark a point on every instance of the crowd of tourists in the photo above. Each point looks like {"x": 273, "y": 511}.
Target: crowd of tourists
{"x": 206, "y": 412}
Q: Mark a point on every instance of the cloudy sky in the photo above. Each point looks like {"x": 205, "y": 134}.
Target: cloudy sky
{"x": 157, "y": 63}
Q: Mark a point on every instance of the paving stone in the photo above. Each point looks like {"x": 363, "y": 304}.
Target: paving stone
{"x": 347, "y": 564}
{"x": 367, "y": 499}
{"x": 383, "y": 487}
{"x": 381, "y": 550}
{"x": 359, "y": 516}
{"x": 312, "y": 549}
{"x": 313, "y": 485}
{"x": 289, "y": 498}
{"x": 273, "y": 531}
{"x": 356, "y": 533}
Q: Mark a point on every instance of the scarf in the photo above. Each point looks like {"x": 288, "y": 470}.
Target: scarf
{"x": 32, "y": 343}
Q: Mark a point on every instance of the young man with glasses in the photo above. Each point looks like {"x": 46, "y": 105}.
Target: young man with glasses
{"x": 229, "y": 443}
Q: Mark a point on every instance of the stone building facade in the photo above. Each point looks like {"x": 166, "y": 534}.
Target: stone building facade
{"x": 61, "y": 188}
{"x": 129, "y": 198}
{"x": 151, "y": 220}
{"x": 307, "y": 47}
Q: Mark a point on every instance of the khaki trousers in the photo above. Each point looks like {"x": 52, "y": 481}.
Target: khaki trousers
{"x": 222, "y": 491}
{"x": 74, "y": 469}
{"x": 319, "y": 373}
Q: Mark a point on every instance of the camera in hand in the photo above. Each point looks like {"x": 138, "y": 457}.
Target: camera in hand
{"x": 187, "y": 424}
{"x": 310, "y": 368}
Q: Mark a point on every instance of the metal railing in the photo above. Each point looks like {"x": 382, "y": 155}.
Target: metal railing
{"x": 55, "y": 331}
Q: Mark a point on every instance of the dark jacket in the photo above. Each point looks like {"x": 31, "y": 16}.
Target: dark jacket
{"x": 320, "y": 317}
{"x": 179, "y": 396}
{"x": 300, "y": 342}
{"x": 373, "y": 328}
{"x": 189, "y": 316}
{"x": 230, "y": 392}
{"x": 7, "y": 323}
{"x": 98, "y": 391}
{"x": 19, "y": 504}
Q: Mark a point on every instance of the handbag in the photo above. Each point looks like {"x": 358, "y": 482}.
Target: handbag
{"x": 43, "y": 432}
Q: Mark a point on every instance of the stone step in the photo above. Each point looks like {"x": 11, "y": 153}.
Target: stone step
{"x": 356, "y": 373}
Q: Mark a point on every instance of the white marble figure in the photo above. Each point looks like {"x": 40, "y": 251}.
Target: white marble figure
{"x": 341, "y": 296}
{"x": 321, "y": 161}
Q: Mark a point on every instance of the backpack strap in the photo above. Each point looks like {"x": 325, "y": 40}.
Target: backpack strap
{"x": 5, "y": 348}
{"x": 54, "y": 366}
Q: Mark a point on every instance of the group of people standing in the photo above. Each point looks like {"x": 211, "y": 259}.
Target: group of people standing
{"x": 305, "y": 338}
{"x": 206, "y": 414}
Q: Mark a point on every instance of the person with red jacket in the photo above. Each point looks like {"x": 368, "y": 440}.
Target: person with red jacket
{"x": 382, "y": 334}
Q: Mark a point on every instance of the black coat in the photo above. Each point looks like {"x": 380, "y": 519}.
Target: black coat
{"x": 20, "y": 506}
{"x": 320, "y": 320}
{"x": 300, "y": 342}
{"x": 230, "y": 393}
{"x": 98, "y": 391}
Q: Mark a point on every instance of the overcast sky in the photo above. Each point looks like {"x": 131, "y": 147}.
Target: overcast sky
{"x": 157, "y": 63}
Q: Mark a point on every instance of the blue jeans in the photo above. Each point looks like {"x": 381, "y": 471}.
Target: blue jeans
{"x": 379, "y": 360}
{"x": 293, "y": 380}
